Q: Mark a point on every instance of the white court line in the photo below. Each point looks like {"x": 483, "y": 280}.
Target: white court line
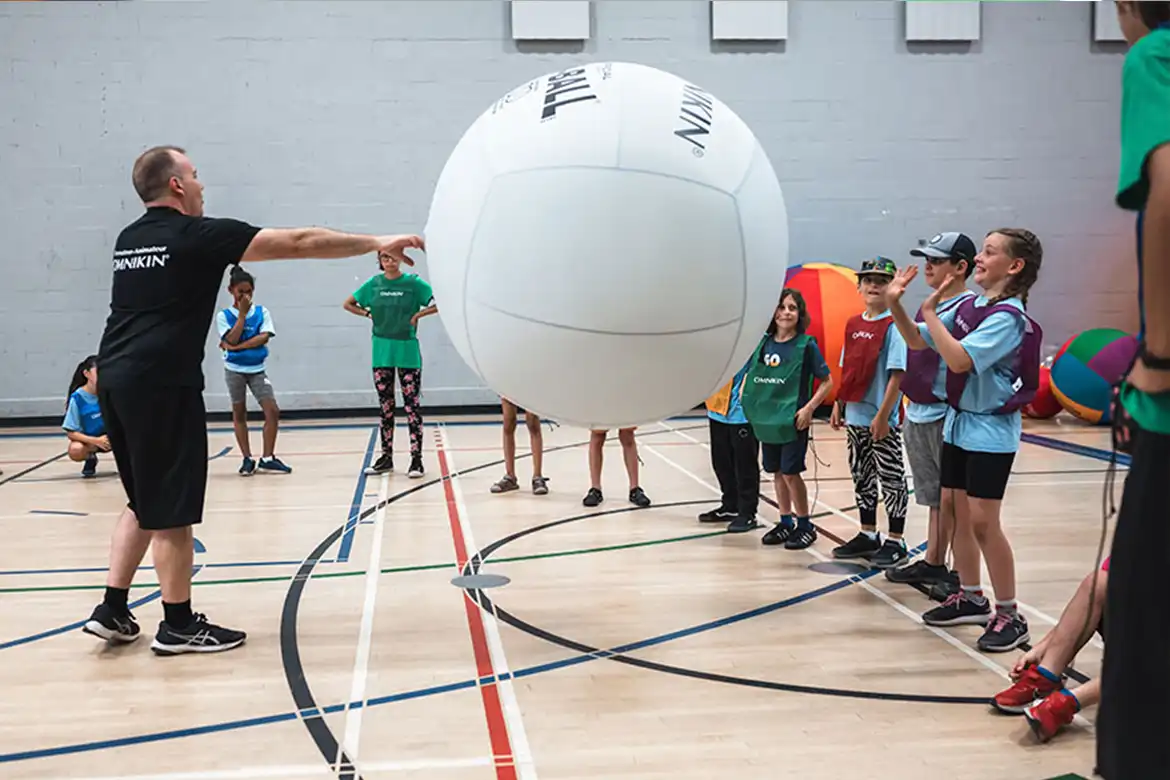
{"x": 306, "y": 770}
{"x": 361, "y": 663}
{"x": 521, "y": 750}
{"x": 1026, "y": 608}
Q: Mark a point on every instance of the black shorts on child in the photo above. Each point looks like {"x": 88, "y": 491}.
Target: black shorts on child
{"x": 786, "y": 458}
{"x": 979, "y": 474}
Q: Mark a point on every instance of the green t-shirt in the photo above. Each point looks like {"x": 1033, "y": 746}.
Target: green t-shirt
{"x": 1145, "y": 125}
{"x": 392, "y": 302}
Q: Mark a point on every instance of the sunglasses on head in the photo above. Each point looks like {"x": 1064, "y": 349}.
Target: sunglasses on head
{"x": 878, "y": 265}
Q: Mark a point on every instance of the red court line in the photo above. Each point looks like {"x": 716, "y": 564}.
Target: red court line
{"x": 497, "y": 726}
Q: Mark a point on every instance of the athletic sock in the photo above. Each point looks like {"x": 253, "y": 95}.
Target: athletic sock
{"x": 1006, "y": 607}
{"x": 1072, "y": 696}
{"x": 178, "y": 615}
{"x": 974, "y": 594}
{"x": 1047, "y": 675}
{"x": 871, "y": 534}
{"x": 804, "y": 523}
{"x": 116, "y": 599}
{"x": 786, "y": 521}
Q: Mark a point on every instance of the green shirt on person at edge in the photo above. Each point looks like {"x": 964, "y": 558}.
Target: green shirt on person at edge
{"x": 1145, "y": 125}
{"x": 391, "y": 303}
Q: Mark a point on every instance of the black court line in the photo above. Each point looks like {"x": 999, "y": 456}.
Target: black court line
{"x": 31, "y": 469}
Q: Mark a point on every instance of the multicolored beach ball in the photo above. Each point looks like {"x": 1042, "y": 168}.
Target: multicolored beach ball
{"x": 830, "y": 291}
{"x": 1087, "y": 367}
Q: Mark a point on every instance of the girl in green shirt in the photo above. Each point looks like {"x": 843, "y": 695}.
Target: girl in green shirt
{"x": 395, "y": 302}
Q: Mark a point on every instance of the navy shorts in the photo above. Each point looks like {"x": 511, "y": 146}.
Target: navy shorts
{"x": 786, "y": 458}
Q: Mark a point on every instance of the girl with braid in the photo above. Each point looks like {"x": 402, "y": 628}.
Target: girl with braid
{"x": 395, "y": 302}
{"x": 992, "y": 354}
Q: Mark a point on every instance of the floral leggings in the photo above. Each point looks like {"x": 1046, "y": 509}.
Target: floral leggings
{"x": 411, "y": 379}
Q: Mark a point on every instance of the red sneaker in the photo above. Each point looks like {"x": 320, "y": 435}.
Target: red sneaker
{"x": 1051, "y": 715}
{"x": 1031, "y": 686}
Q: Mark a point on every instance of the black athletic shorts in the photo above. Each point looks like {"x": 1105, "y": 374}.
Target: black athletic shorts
{"x": 980, "y": 474}
{"x": 787, "y": 458}
{"x": 159, "y": 439}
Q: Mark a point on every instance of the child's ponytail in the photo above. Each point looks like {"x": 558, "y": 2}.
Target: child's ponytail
{"x": 1022, "y": 245}
{"x": 79, "y": 379}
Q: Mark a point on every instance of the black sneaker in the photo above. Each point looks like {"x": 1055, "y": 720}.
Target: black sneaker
{"x": 382, "y": 464}
{"x": 719, "y": 515}
{"x": 917, "y": 573}
{"x": 638, "y": 497}
{"x": 941, "y": 591}
{"x": 89, "y": 469}
{"x": 199, "y": 637}
{"x": 593, "y": 497}
{"x": 106, "y": 624}
{"x": 1004, "y": 632}
{"x": 779, "y": 534}
{"x": 274, "y": 464}
{"x": 416, "y": 468}
{"x": 247, "y": 467}
{"x": 801, "y": 538}
{"x": 860, "y": 546}
{"x": 742, "y": 524}
{"x": 892, "y": 553}
{"x": 958, "y": 611}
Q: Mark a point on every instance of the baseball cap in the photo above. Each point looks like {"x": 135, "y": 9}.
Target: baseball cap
{"x": 878, "y": 266}
{"x": 954, "y": 246}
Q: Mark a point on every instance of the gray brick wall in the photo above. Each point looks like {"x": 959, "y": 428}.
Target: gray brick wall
{"x": 342, "y": 113}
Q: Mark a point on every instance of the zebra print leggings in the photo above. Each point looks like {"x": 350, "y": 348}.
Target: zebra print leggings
{"x": 873, "y": 462}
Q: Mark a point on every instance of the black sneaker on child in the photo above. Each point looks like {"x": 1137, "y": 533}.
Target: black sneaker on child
{"x": 416, "y": 469}
{"x": 1004, "y": 632}
{"x": 105, "y": 623}
{"x": 593, "y": 497}
{"x": 719, "y": 515}
{"x": 198, "y": 637}
{"x": 958, "y": 610}
{"x": 742, "y": 524}
{"x": 778, "y": 534}
{"x": 892, "y": 553}
{"x": 945, "y": 588}
{"x": 89, "y": 469}
{"x": 638, "y": 497}
{"x": 801, "y": 538}
{"x": 382, "y": 464}
{"x": 860, "y": 546}
{"x": 918, "y": 573}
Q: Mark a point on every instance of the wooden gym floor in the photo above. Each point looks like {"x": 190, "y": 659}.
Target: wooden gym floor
{"x": 632, "y": 643}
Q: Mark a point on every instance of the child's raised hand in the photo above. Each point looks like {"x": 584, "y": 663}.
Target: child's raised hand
{"x": 897, "y": 286}
{"x": 932, "y": 300}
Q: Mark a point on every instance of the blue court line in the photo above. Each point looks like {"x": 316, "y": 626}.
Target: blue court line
{"x": 221, "y": 453}
{"x": 102, "y": 569}
{"x": 1076, "y": 449}
{"x": 435, "y": 690}
{"x": 355, "y": 509}
{"x": 57, "y": 512}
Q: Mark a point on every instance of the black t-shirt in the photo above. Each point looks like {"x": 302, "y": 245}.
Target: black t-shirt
{"x": 168, "y": 268}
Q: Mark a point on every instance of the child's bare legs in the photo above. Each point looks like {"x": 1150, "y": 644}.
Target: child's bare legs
{"x": 996, "y": 549}
{"x": 783, "y": 496}
{"x": 796, "y": 492}
{"x": 629, "y": 455}
{"x": 240, "y": 425}
{"x": 79, "y": 452}
{"x": 596, "y": 450}
{"x": 509, "y": 439}
{"x": 964, "y": 544}
{"x": 271, "y": 425}
{"x": 535, "y": 442}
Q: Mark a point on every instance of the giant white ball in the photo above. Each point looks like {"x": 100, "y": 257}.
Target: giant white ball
{"x": 607, "y": 244}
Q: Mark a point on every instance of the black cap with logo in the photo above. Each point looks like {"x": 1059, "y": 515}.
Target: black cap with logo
{"x": 948, "y": 246}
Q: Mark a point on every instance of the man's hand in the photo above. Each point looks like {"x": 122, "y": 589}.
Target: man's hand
{"x": 395, "y": 246}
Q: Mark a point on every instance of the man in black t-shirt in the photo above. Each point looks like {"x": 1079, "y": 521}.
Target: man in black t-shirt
{"x": 168, "y": 266}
